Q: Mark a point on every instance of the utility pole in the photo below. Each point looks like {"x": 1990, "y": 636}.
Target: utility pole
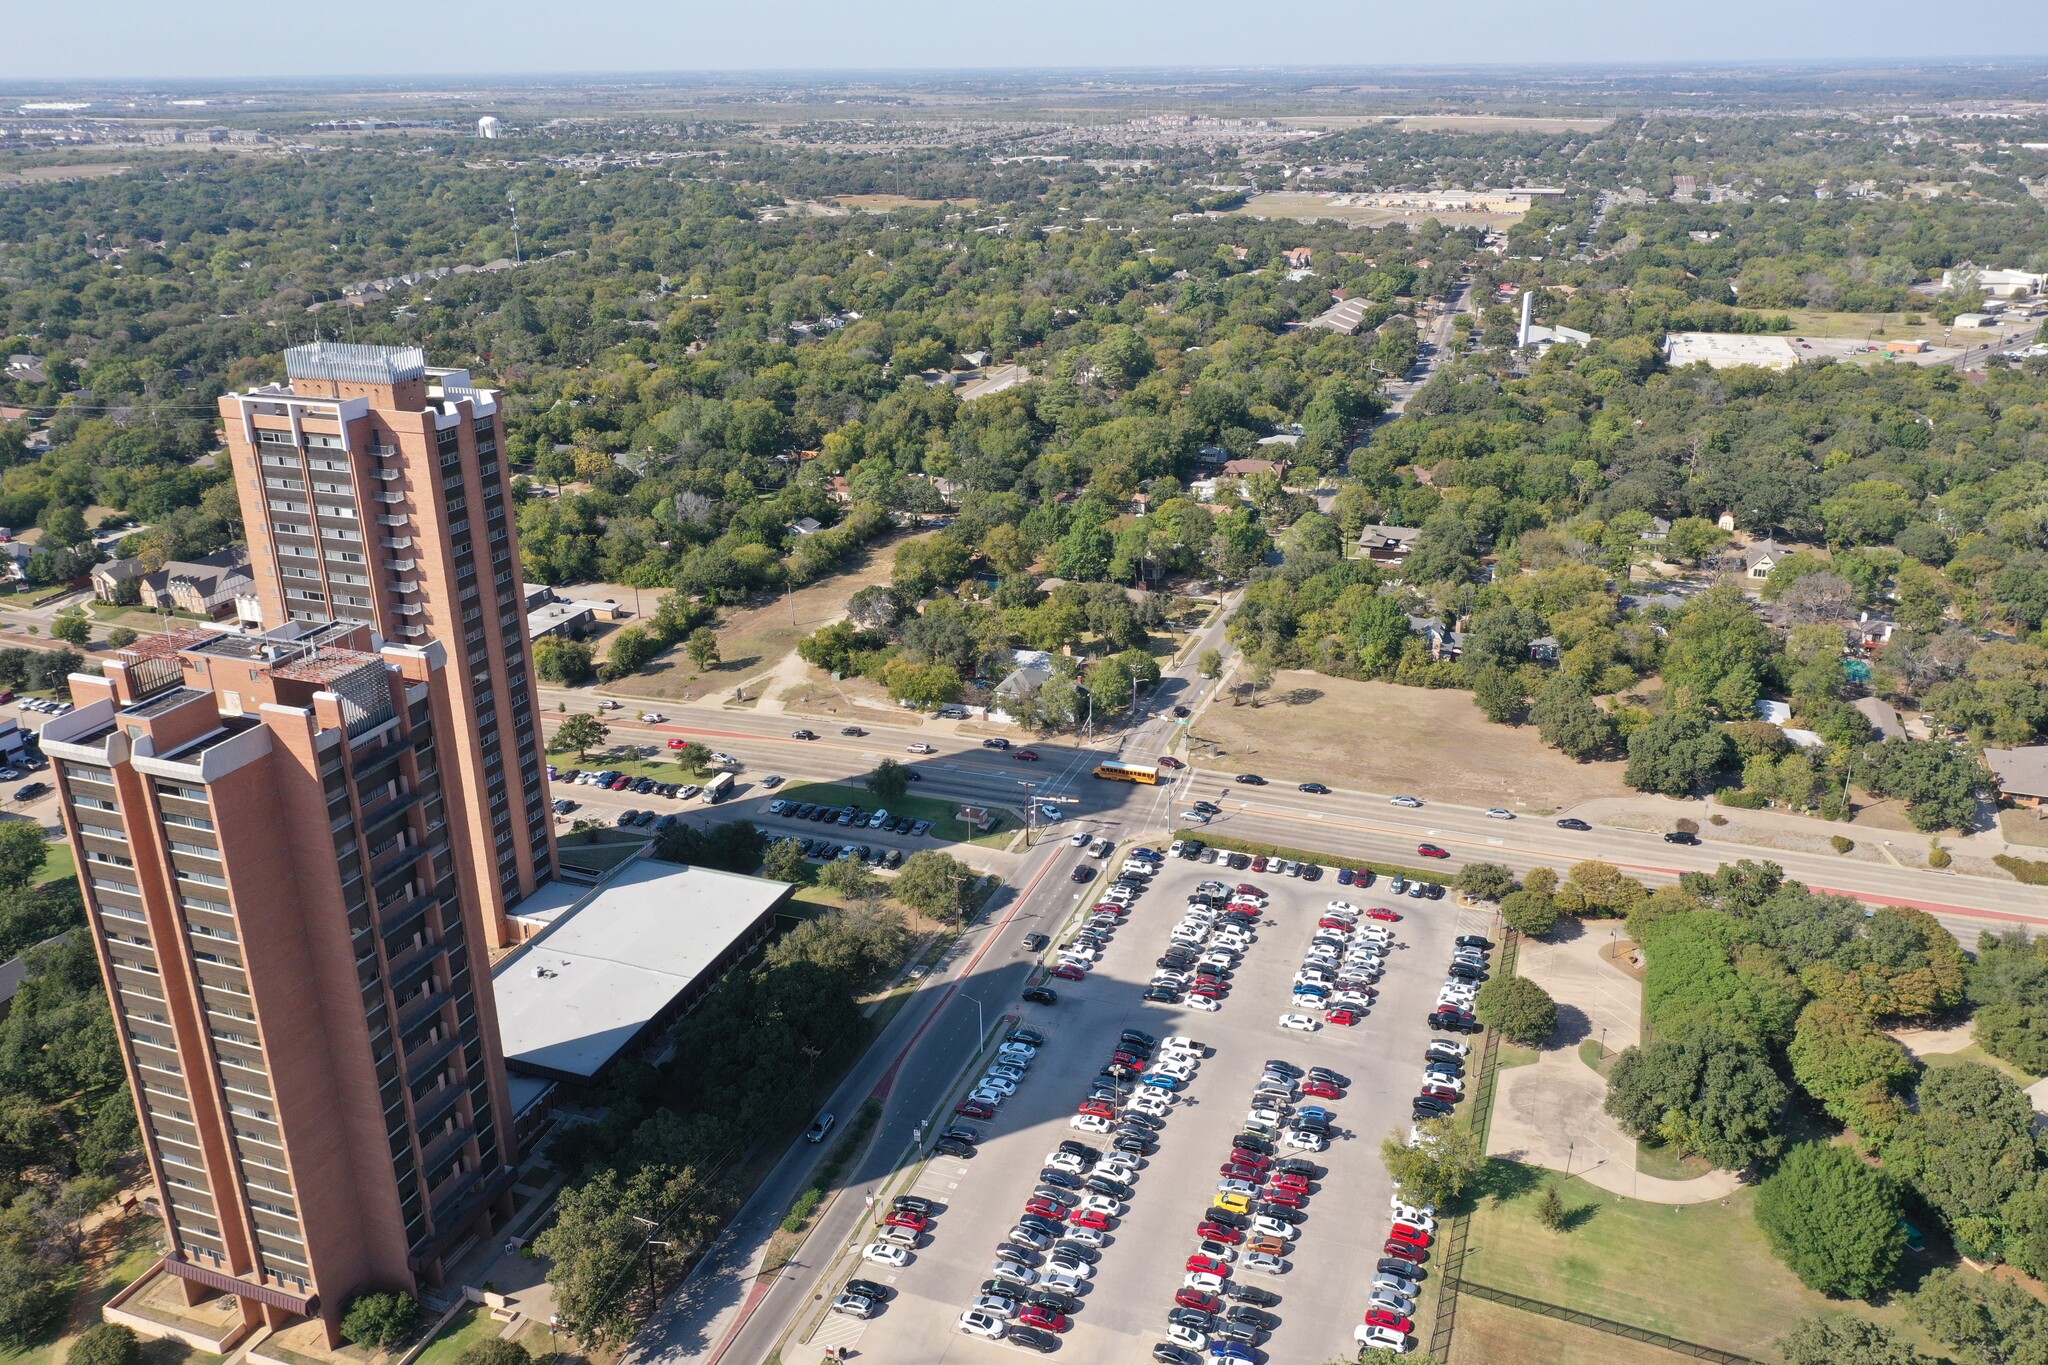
{"x": 653, "y": 1295}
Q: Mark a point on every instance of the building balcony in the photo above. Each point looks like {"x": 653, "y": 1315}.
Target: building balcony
{"x": 430, "y": 1058}
{"x": 401, "y": 519}
{"x": 402, "y": 566}
{"x": 436, "y": 1148}
{"x": 437, "y": 1105}
{"x": 389, "y": 499}
{"x": 387, "y": 475}
{"x": 409, "y": 609}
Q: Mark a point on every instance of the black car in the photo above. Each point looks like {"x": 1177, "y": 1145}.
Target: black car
{"x": 1250, "y": 1293}
{"x": 1303, "y": 1124}
{"x": 1227, "y": 1218}
{"x": 1189, "y": 1317}
{"x": 1162, "y": 995}
{"x": 1033, "y": 1223}
{"x": 1252, "y": 1317}
{"x": 1394, "y": 1265}
{"x": 1134, "y": 1037}
{"x": 1313, "y": 872}
{"x": 1293, "y": 1217}
{"x": 995, "y": 744}
{"x": 1428, "y": 1106}
{"x": 1580, "y": 825}
{"x": 960, "y": 1132}
{"x": 1465, "y": 971}
{"x": 1473, "y": 941}
{"x": 1145, "y": 1121}
{"x": 1078, "y": 1252}
{"x": 1115, "y": 1189}
{"x": 1053, "y": 1301}
{"x": 1314, "y": 789}
{"x": 1249, "y": 780}
{"x": 913, "y": 1203}
{"x": 1681, "y": 837}
{"x": 1207, "y": 808}
{"x": 1031, "y": 1339}
{"x": 1253, "y": 1142}
{"x": 1285, "y": 1068}
{"x": 1191, "y": 849}
{"x": 1022, "y": 1255}
{"x": 1323, "y": 1073}
{"x": 1443, "y": 1066}
{"x": 803, "y": 734}
{"x": 1082, "y": 873}
{"x": 1180, "y": 713}
{"x": 1166, "y": 1353}
{"x": 1060, "y": 1178}
{"x": 1245, "y": 1332}
{"x": 1041, "y": 995}
{"x": 868, "y": 1289}
{"x": 1238, "y": 861}
{"x": 1176, "y": 959}
{"x": 946, "y": 1146}
{"x": 1030, "y": 1037}
{"x": 1132, "y": 1142}
{"x": 1454, "y": 1023}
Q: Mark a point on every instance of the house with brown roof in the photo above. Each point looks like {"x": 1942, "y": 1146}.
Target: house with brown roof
{"x": 1388, "y": 544}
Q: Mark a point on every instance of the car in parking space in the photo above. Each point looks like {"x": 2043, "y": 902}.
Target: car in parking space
{"x": 1039, "y": 995}
{"x": 1299, "y": 1023}
{"x": 1373, "y": 1337}
{"x": 1265, "y": 1262}
{"x": 980, "y": 1323}
{"x": 856, "y": 1305}
{"x": 881, "y": 1253}
{"x": 954, "y": 1147}
{"x": 1166, "y": 1353}
{"x": 1189, "y": 1297}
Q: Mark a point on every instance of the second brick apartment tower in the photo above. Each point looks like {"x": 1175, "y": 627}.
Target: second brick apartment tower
{"x": 374, "y": 491}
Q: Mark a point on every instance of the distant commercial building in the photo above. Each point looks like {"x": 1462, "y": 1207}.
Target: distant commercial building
{"x": 293, "y": 946}
{"x": 374, "y": 490}
{"x": 489, "y": 128}
{"x": 1997, "y": 284}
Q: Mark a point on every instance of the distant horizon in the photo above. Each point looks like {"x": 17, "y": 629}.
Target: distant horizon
{"x": 219, "y": 41}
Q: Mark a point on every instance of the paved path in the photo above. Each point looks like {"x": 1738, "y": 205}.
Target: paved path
{"x": 1549, "y": 1113}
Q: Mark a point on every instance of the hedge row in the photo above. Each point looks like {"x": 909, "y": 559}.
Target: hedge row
{"x": 1301, "y": 855}
{"x": 2030, "y": 871}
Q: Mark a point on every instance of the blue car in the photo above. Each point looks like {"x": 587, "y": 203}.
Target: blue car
{"x": 1343, "y": 876}
{"x": 1315, "y": 1111}
{"x": 1231, "y": 1350}
{"x": 1310, "y": 988}
{"x": 1158, "y": 1082}
{"x": 1148, "y": 855}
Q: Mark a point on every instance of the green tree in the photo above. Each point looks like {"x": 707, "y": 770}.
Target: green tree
{"x": 567, "y": 662}
{"x": 1938, "y": 782}
{"x": 23, "y": 849}
{"x": 381, "y": 1319}
{"x": 785, "y": 862}
{"x": 582, "y": 733}
{"x": 1437, "y": 1169}
{"x": 935, "y": 884}
{"x": 1569, "y": 720}
{"x": 72, "y": 626}
{"x": 1838, "y": 1339}
{"x": 1692, "y": 539}
{"x": 1991, "y": 1321}
{"x": 890, "y": 780}
{"x": 1966, "y": 1148}
{"x": 1485, "y": 881}
{"x": 1855, "y": 1069}
{"x": 1704, "y": 1092}
{"x": 1550, "y": 1209}
{"x": 1677, "y": 753}
{"x": 694, "y": 758}
{"x": 1530, "y": 912}
{"x": 120, "y": 637}
{"x": 601, "y": 1253}
{"x": 1499, "y": 694}
{"x": 493, "y": 1351}
{"x": 1210, "y": 663}
{"x": 105, "y": 1343}
{"x": 1720, "y": 654}
{"x": 850, "y": 877}
{"x": 1521, "y": 1010}
{"x": 63, "y": 526}
{"x": 1833, "y": 1220}
{"x": 702, "y": 647}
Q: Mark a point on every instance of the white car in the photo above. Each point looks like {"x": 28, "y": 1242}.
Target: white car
{"x": 1442, "y": 1045}
{"x": 976, "y": 1323}
{"x": 1243, "y": 1187}
{"x": 1300, "y": 1023}
{"x": 1382, "y": 1339}
{"x": 1350, "y": 1000}
{"x": 920, "y": 748}
{"x": 999, "y": 1306}
{"x": 1103, "y": 1204}
{"x": 1307, "y": 1002}
{"x": 1193, "y": 817}
{"x": 1264, "y": 1116}
{"x": 881, "y": 1253}
{"x": 1017, "y": 1271}
{"x": 1273, "y": 1227}
{"x": 1066, "y": 1161}
{"x": 992, "y": 1098}
{"x": 1202, "y": 1003}
{"x": 1009, "y": 1071}
{"x": 1089, "y": 1123}
{"x": 1456, "y": 1083}
{"x": 1497, "y": 813}
{"x": 1058, "y": 1283}
{"x": 1152, "y": 1106}
{"x": 1265, "y": 1261}
{"x": 1121, "y": 1171}
{"x": 1411, "y": 802}
{"x": 1173, "y": 849}
{"x": 1414, "y": 1218}
{"x": 1340, "y": 908}
{"x": 1087, "y": 1237}
{"x": 1070, "y": 1265}
{"x": 1180, "y": 1042}
{"x": 1000, "y": 1085}
{"x": 1078, "y": 840}
{"x": 1187, "y": 1338}
{"x": 1303, "y": 1142}
{"x": 1202, "y": 1282}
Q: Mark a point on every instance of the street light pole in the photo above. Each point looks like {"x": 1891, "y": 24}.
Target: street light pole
{"x": 980, "y": 1022}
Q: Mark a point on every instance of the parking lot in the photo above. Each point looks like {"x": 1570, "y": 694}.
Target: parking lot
{"x": 1123, "y": 1309}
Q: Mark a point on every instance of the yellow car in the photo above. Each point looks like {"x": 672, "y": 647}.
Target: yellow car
{"x": 1236, "y": 1203}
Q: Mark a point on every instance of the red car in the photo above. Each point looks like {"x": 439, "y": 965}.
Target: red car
{"x": 1036, "y": 1316}
{"x": 1217, "y": 1232}
{"x": 1406, "y": 1251}
{"x": 1090, "y": 1218}
{"x": 677, "y": 743}
{"x": 1287, "y": 1182}
{"x": 1129, "y": 1059}
{"x": 973, "y": 1109}
{"x": 1024, "y": 755}
{"x": 1322, "y": 1090}
{"x": 1245, "y": 1156}
{"x": 1169, "y": 761}
{"x": 1247, "y": 889}
{"x": 1045, "y": 1208}
{"x": 1442, "y": 1092}
{"x": 1259, "y": 863}
{"x": 1197, "y": 1300}
{"x": 1286, "y": 1198}
{"x": 903, "y": 1218}
{"x": 1101, "y": 1109}
{"x": 1208, "y": 1265}
{"x": 1237, "y": 1170}
{"x": 1209, "y": 990}
{"x": 1380, "y": 912}
{"x": 1340, "y": 1017}
{"x": 1341, "y": 926}
{"x": 1414, "y": 1236}
{"x": 1112, "y": 908}
{"x": 1361, "y": 876}
{"x": 1069, "y": 973}
{"x": 1388, "y": 1318}
{"x": 1431, "y": 851}
{"x": 621, "y": 784}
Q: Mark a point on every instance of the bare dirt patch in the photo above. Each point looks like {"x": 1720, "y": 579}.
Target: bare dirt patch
{"x": 1308, "y": 206}
{"x": 1387, "y": 738}
{"x": 882, "y": 203}
{"x": 90, "y": 170}
{"x": 753, "y": 641}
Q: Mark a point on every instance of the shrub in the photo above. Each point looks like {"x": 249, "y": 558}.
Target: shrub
{"x": 1550, "y": 1209}
{"x": 1833, "y": 1220}
{"x": 1743, "y": 799}
{"x": 1520, "y": 1009}
{"x": 106, "y": 1343}
{"x": 800, "y": 1212}
{"x": 1841, "y": 843}
{"x": 494, "y": 1351}
{"x": 381, "y": 1319}
{"x": 1937, "y": 856}
{"x": 2027, "y": 871}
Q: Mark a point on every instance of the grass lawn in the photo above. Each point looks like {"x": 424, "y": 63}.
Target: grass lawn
{"x": 58, "y": 864}
{"x": 2024, "y": 827}
{"x": 1378, "y": 735}
{"x": 1494, "y": 1334}
{"x": 1975, "y": 1053}
{"x": 940, "y": 813}
{"x": 466, "y": 1328}
{"x": 1514, "y": 1054}
{"x": 1698, "y": 1272}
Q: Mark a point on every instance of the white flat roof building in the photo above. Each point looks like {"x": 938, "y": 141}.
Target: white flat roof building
{"x": 617, "y": 961}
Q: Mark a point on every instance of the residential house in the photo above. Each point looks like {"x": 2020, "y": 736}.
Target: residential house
{"x": 838, "y": 488}
{"x": 1544, "y": 649}
{"x": 1344, "y": 318}
{"x": 1658, "y": 532}
{"x": 1883, "y": 717}
{"x": 1444, "y": 642}
{"x": 217, "y": 587}
{"x": 806, "y": 526}
{"x": 16, "y": 556}
{"x": 1241, "y": 469}
{"x": 1388, "y": 544}
{"x": 2021, "y": 775}
{"x": 1298, "y": 257}
{"x": 1758, "y": 558}
{"x": 1032, "y": 670}
{"x": 27, "y": 369}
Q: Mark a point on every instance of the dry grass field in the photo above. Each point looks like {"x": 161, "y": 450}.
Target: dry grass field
{"x": 1386, "y": 738}
{"x": 1364, "y": 215}
{"x": 89, "y": 170}
{"x": 882, "y": 203}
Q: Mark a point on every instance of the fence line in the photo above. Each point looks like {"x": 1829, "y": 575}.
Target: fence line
{"x": 1607, "y": 1325}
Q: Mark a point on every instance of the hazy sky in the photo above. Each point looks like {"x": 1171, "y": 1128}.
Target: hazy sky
{"x": 71, "y": 39}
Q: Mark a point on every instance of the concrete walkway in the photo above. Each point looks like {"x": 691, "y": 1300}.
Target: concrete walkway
{"x": 1550, "y": 1113}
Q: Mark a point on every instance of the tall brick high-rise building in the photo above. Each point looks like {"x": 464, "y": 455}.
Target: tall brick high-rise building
{"x": 294, "y": 951}
{"x": 374, "y": 491}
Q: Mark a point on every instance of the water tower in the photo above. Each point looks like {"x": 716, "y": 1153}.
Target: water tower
{"x": 488, "y": 127}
